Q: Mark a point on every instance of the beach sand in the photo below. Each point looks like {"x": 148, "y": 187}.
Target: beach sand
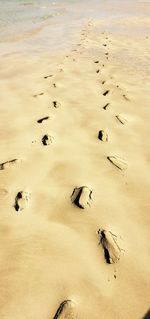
{"x": 68, "y": 121}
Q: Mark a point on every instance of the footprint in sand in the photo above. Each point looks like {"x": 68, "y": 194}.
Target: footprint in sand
{"x": 97, "y": 71}
{"x": 48, "y": 76}
{"x": 103, "y": 136}
{"x": 103, "y": 82}
{"x": 42, "y": 119}
{"x": 121, "y": 119}
{"x": 118, "y": 162}
{"x": 112, "y": 251}
{"x": 96, "y": 61}
{"x": 66, "y": 310}
{"x": 81, "y": 197}
{"x": 21, "y": 200}
{"x": 106, "y": 92}
{"x": 125, "y": 97}
{"x": 106, "y": 106}
{"x": 47, "y": 139}
{"x": 8, "y": 164}
{"x": 39, "y": 94}
{"x": 56, "y": 104}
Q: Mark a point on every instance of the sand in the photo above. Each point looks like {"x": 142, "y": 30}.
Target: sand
{"x": 91, "y": 260}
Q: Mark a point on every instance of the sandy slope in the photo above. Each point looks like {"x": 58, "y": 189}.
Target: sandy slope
{"x": 50, "y": 250}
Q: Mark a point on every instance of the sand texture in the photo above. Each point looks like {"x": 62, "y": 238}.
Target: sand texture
{"x": 74, "y": 172}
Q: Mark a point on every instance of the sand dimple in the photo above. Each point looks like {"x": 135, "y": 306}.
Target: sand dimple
{"x": 21, "y": 200}
{"x": 47, "y": 139}
{"x": 103, "y": 136}
{"x": 118, "y": 162}
{"x": 65, "y": 310}
{"x": 121, "y": 119}
{"x": 112, "y": 251}
{"x": 81, "y": 196}
{"x": 8, "y": 164}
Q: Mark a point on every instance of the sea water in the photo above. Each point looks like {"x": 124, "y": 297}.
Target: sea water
{"x": 43, "y": 25}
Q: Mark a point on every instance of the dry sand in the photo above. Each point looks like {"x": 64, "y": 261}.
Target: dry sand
{"x": 52, "y": 250}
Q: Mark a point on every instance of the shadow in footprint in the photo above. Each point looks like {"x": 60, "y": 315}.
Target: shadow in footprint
{"x": 8, "y": 164}
{"x": 147, "y": 316}
{"x": 35, "y": 95}
{"x": 56, "y": 104}
{"x": 106, "y": 92}
{"x": 103, "y": 136}
{"x": 43, "y": 119}
{"x": 65, "y": 310}
{"x": 105, "y": 106}
{"x": 125, "y": 97}
{"x": 81, "y": 196}
{"x": 121, "y": 119}
{"x": 108, "y": 241}
{"x": 21, "y": 200}
{"x": 48, "y": 76}
{"x": 47, "y": 139}
{"x": 117, "y": 162}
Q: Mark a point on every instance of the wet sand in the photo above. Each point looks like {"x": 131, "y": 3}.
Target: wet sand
{"x": 75, "y": 176}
